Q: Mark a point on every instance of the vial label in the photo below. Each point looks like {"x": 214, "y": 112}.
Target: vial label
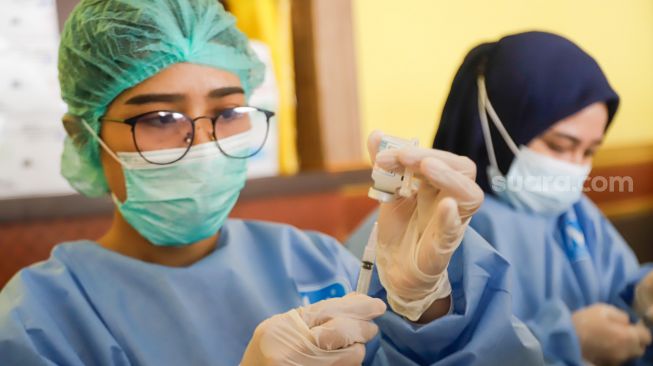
{"x": 388, "y": 145}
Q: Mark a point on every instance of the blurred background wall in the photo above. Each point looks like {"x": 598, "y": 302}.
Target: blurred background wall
{"x": 409, "y": 51}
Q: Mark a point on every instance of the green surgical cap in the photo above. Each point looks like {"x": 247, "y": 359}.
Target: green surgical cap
{"x": 108, "y": 46}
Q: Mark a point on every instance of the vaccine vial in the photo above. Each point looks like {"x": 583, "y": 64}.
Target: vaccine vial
{"x": 387, "y": 184}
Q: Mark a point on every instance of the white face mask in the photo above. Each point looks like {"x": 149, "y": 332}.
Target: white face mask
{"x": 535, "y": 182}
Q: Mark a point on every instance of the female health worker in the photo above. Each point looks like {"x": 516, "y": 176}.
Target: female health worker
{"x": 158, "y": 117}
{"x": 530, "y": 110}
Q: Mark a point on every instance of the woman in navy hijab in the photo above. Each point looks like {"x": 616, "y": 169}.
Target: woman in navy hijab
{"x": 530, "y": 110}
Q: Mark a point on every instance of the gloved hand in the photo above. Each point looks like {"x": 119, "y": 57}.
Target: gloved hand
{"x": 606, "y": 336}
{"x": 329, "y": 332}
{"x": 643, "y": 302}
{"x": 418, "y": 235}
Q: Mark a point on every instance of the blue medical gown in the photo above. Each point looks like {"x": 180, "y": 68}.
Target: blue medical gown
{"x": 90, "y": 306}
{"x": 551, "y": 278}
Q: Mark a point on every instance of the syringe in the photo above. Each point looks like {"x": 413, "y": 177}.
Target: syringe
{"x": 367, "y": 265}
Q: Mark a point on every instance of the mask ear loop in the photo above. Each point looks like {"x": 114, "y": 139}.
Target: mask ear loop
{"x": 484, "y": 123}
{"x": 497, "y": 121}
{"x": 102, "y": 143}
{"x": 485, "y": 108}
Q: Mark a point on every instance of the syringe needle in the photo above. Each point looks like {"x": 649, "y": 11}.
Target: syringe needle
{"x": 367, "y": 265}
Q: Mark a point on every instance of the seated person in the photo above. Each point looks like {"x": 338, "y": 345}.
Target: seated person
{"x": 158, "y": 117}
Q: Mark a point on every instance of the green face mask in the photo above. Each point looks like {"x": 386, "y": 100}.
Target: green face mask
{"x": 183, "y": 202}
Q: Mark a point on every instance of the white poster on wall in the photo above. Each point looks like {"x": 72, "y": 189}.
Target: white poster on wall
{"x": 31, "y": 134}
{"x": 266, "y": 96}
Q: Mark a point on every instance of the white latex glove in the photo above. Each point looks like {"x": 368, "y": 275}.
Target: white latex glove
{"x": 329, "y": 332}
{"x": 418, "y": 235}
{"x": 606, "y": 336}
{"x": 643, "y": 302}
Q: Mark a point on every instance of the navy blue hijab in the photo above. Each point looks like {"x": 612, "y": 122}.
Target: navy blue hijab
{"x": 533, "y": 80}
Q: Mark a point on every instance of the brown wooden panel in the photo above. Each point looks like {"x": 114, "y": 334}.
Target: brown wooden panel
{"x": 328, "y": 123}
{"x": 337, "y": 83}
{"x": 332, "y": 213}
{"x": 25, "y": 242}
{"x": 309, "y": 137}
{"x": 617, "y": 202}
{"x": 641, "y": 176}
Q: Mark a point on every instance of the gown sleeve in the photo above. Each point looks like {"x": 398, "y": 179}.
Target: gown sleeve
{"x": 554, "y": 329}
{"x": 619, "y": 269}
{"x": 480, "y": 330}
{"x": 618, "y": 265}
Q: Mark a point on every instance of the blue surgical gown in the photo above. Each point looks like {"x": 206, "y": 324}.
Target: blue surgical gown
{"x": 90, "y": 306}
{"x": 550, "y": 278}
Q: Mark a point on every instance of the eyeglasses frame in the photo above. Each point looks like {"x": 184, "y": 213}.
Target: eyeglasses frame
{"x": 132, "y": 121}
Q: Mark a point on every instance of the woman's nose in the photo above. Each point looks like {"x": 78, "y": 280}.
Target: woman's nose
{"x": 203, "y": 131}
{"x": 579, "y": 157}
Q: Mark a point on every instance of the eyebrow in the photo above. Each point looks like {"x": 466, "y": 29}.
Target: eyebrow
{"x": 223, "y": 92}
{"x": 155, "y": 98}
{"x": 573, "y": 139}
{"x": 173, "y": 98}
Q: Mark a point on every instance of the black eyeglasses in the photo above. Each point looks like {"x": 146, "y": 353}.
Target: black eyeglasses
{"x": 239, "y": 132}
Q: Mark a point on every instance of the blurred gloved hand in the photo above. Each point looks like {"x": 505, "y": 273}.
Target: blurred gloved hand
{"x": 643, "y": 302}
{"x": 418, "y": 235}
{"x": 606, "y": 336}
{"x": 329, "y": 332}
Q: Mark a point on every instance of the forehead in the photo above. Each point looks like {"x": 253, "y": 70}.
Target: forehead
{"x": 184, "y": 78}
{"x": 589, "y": 122}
